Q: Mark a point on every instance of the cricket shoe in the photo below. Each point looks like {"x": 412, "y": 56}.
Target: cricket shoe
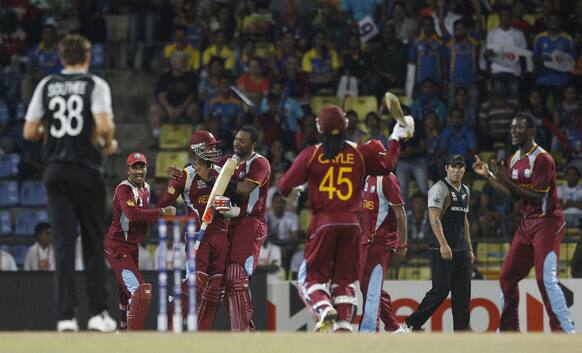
{"x": 403, "y": 329}
{"x": 326, "y": 320}
{"x": 342, "y": 326}
{"x": 102, "y": 322}
{"x": 67, "y": 325}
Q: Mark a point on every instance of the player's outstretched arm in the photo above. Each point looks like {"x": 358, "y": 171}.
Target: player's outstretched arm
{"x": 175, "y": 188}
{"x": 380, "y": 163}
{"x": 482, "y": 169}
{"x": 124, "y": 197}
{"x": 297, "y": 174}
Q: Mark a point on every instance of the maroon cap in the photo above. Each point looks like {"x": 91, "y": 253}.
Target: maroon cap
{"x": 331, "y": 120}
{"x": 376, "y": 146}
{"x": 203, "y": 136}
{"x": 136, "y": 157}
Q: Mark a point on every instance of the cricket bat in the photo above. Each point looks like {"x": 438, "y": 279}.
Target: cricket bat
{"x": 218, "y": 189}
{"x": 243, "y": 97}
{"x": 393, "y": 104}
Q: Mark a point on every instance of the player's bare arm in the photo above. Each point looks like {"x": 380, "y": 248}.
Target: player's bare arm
{"x": 33, "y": 130}
{"x": 470, "y": 252}
{"x": 105, "y": 130}
{"x": 482, "y": 168}
{"x": 400, "y": 214}
{"x": 434, "y": 216}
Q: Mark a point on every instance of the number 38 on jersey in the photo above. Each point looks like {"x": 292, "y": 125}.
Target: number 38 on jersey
{"x": 67, "y": 115}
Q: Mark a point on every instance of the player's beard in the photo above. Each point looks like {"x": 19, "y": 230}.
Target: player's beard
{"x": 332, "y": 144}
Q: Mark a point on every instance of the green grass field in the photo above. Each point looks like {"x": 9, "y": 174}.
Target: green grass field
{"x": 287, "y": 343}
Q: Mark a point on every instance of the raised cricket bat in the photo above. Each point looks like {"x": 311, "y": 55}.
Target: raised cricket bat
{"x": 242, "y": 96}
{"x": 393, "y": 104}
{"x": 218, "y": 189}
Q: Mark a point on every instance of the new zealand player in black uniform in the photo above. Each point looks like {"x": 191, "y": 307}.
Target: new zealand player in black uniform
{"x": 450, "y": 249}
{"x": 71, "y": 113}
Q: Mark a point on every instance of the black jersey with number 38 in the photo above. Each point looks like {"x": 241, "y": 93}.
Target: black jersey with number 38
{"x": 66, "y": 103}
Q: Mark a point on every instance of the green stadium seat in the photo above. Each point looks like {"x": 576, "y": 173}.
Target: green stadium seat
{"x": 164, "y": 159}
{"x": 318, "y": 102}
{"x": 175, "y": 136}
{"x": 361, "y": 105}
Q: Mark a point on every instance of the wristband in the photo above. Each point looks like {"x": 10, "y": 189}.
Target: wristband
{"x": 230, "y": 189}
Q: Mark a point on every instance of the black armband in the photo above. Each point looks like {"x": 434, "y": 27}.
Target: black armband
{"x": 230, "y": 189}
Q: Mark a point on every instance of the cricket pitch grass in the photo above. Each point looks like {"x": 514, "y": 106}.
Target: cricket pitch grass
{"x": 50, "y": 342}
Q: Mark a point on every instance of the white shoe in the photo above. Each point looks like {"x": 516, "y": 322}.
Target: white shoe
{"x": 402, "y": 329}
{"x": 326, "y": 320}
{"x": 67, "y": 325}
{"x": 102, "y": 322}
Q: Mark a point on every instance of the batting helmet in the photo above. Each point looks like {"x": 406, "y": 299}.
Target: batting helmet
{"x": 331, "y": 120}
{"x": 200, "y": 140}
{"x": 376, "y": 146}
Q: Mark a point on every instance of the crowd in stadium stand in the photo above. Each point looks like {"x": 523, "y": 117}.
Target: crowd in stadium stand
{"x": 463, "y": 68}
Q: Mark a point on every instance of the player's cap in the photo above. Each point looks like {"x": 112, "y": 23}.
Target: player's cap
{"x": 203, "y": 137}
{"x": 455, "y": 159}
{"x": 376, "y": 146}
{"x": 331, "y": 120}
{"x": 136, "y": 157}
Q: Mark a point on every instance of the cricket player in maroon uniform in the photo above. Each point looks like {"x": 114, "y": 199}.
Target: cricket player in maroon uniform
{"x": 531, "y": 178}
{"x": 194, "y": 184}
{"x": 248, "y": 230}
{"x": 385, "y": 234}
{"x": 334, "y": 172}
{"x": 131, "y": 215}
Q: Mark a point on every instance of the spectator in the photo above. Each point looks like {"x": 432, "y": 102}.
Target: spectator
{"x": 176, "y": 95}
{"x": 270, "y": 254}
{"x": 321, "y": 63}
{"x": 570, "y": 196}
{"x": 505, "y": 36}
{"x": 360, "y": 9}
{"x": 541, "y": 24}
{"x": 432, "y": 135}
{"x": 40, "y": 256}
{"x": 462, "y": 52}
{"x": 7, "y": 262}
{"x": 93, "y": 26}
{"x": 158, "y": 189}
{"x": 270, "y": 120}
{"x": 334, "y": 27}
{"x": 388, "y": 62}
{"x": 496, "y": 114}
{"x": 427, "y": 55}
{"x": 308, "y": 134}
{"x": 220, "y": 49}
{"x": 277, "y": 158}
{"x": 413, "y": 161}
{"x": 469, "y": 111}
{"x": 576, "y": 263}
{"x": 418, "y": 225}
{"x": 248, "y": 53}
{"x": 445, "y": 16}
{"x": 224, "y": 21}
{"x": 542, "y": 115}
{"x": 187, "y": 16}
{"x": 224, "y": 105}
{"x": 295, "y": 82}
{"x": 566, "y": 108}
{"x": 43, "y": 59}
{"x": 143, "y": 22}
{"x": 375, "y": 129}
{"x": 570, "y": 137}
{"x": 551, "y": 81}
{"x": 356, "y": 63}
{"x": 253, "y": 83}
{"x": 146, "y": 262}
{"x": 283, "y": 224}
{"x": 428, "y": 101}
{"x": 291, "y": 23}
{"x": 518, "y": 13}
{"x": 214, "y": 126}
{"x": 305, "y": 8}
{"x": 286, "y": 48}
{"x": 181, "y": 44}
{"x": 353, "y": 132}
{"x": 210, "y": 79}
{"x": 287, "y": 112}
{"x": 458, "y": 138}
{"x": 404, "y": 25}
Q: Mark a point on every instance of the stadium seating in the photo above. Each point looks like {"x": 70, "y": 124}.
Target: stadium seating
{"x": 415, "y": 273}
{"x": 491, "y": 253}
{"x": 9, "y": 165}
{"x": 164, "y": 159}
{"x": 32, "y": 193}
{"x": 567, "y": 251}
{"x": 5, "y": 223}
{"x": 8, "y": 193}
{"x": 318, "y": 102}
{"x": 19, "y": 253}
{"x": 487, "y": 155}
{"x": 478, "y": 185}
{"x": 572, "y": 232}
{"x": 26, "y": 220}
{"x": 361, "y": 105}
{"x": 175, "y": 136}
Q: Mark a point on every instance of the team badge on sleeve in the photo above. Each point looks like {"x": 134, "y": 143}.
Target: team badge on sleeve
{"x": 171, "y": 190}
{"x": 131, "y": 203}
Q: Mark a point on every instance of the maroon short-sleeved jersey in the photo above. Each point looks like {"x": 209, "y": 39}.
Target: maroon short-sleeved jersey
{"x": 536, "y": 170}
{"x": 379, "y": 194}
{"x": 131, "y": 214}
{"x": 335, "y": 185}
{"x": 195, "y": 193}
{"x": 256, "y": 169}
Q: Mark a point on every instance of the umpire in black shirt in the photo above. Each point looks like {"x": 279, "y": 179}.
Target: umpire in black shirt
{"x": 450, "y": 249}
{"x": 71, "y": 113}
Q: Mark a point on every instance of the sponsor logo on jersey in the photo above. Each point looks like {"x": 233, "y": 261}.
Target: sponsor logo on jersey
{"x": 368, "y": 205}
{"x": 527, "y": 173}
{"x": 171, "y": 190}
{"x": 203, "y": 199}
{"x": 201, "y": 184}
{"x": 454, "y": 196}
{"x": 514, "y": 174}
{"x": 459, "y": 209}
{"x": 130, "y": 203}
